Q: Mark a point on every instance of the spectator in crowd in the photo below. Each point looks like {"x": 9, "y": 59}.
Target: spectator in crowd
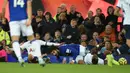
{"x": 63, "y": 8}
{"x": 73, "y": 14}
{"x": 48, "y": 18}
{"x": 58, "y": 37}
{"x": 37, "y": 25}
{"x": 82, "y": 29}
{"x": 98, "y": 25}
{"x": 62, "y": 22}
{"x": 49, "y": 23}
{"x": 100, "y": 14}
{"x": 110, "y": 33}
{"x": 58, "y": 14}
{"x": 4, "y": 23}
{"x": 95, "y": 39}
{"x": 108, "y": 46}
{"x": 90, "y": 18}
{"x": 111, "y": 19}
{"x": 84, "y": 38}
{"x": 47, "y": 37}
{"x": 4, "y": 36}
{"x": 3, "y": 55}
{"x": 37, "y": 36}
{"x": 40, "y": 13}
{"x": 89, "y": 23}
{"x": 71, "y": 33}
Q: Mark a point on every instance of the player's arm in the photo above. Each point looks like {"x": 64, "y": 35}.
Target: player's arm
{"x": 48, "y": 43}
{"x": 29, "y": 12}
{"x": 117, "y": 12}
{"x": 4, "y": 7}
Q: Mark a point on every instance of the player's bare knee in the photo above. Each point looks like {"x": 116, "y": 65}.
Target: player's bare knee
{"x": 31, "y": 37}
{"x": 15, "y": 38}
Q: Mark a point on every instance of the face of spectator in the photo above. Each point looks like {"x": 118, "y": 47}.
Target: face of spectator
{"x": 73, "y": 23}
{"x": 95, "y": 35}
{"x": 72, "y": 9}
{"x": 97, "y": 20}
{"x": 107, "y": 45}
{"x": 47, "y": 36}
{"x": 37, "y": 36}
{"x": 58, "y": 10}
{"x": 111, "y": 10}
{"x": 90, "y": 14}
{"x": 57, "y": 34}
{"x": 39, "y": 13}
{"x": 84, "y": 37}
{"x": 63, "y": 8}
{"x": 38, "y": 19}
{"x": 98, "y": 11}
{"x": 47, "y": 17}
{"x": 62, "y": 16}
{"x": 108, "y": 29}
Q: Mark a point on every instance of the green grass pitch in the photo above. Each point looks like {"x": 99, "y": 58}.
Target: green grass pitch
{"x": 62, "y": 68}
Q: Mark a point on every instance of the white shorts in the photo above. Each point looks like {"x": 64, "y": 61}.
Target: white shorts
{"x": 16, "y": 27}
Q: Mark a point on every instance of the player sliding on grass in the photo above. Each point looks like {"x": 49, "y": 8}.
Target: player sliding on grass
{"x": 32, "y": 52}
{"x": 20, "y": 21}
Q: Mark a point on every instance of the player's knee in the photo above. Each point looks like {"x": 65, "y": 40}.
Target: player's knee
{"x": 15, "y": 38}
{"x": 31, "y": 37}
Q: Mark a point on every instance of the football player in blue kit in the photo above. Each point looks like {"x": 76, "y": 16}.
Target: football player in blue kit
{"x": 20, "y": 21}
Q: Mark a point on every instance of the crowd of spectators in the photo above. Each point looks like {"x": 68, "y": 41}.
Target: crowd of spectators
{"x": 71, "y": 28}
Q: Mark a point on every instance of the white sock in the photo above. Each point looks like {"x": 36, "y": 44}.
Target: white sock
{"x": 16, "y": 48}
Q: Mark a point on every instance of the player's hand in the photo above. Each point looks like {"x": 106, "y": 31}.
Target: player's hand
{"x": 28, "y": 23}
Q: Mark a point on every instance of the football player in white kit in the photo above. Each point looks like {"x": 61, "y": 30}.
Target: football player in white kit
{"x": 32, "y": 53}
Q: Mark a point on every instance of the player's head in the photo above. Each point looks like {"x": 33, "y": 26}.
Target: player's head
{"x": 95, "y": 59}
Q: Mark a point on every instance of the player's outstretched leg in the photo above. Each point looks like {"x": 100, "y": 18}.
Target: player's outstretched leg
{"x": 17, "y": 51}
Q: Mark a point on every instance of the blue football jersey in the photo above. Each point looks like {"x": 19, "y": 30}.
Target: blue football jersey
{"x": 17, "y": 10}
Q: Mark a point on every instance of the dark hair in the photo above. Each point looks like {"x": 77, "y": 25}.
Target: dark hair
{"x": 95, "y": 59}
{"x": 110, "y": 45}
{"x": 48, "y": 13}
{"x": 109, "y": 8}
{"x": 99, "y": 9}
{"x": 39, "y": 10}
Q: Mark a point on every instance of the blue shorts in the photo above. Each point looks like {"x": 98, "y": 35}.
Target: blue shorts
{"x": 127, "y": 30}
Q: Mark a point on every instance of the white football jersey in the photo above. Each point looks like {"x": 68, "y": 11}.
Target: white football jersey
{"x": 88, "y": 59}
